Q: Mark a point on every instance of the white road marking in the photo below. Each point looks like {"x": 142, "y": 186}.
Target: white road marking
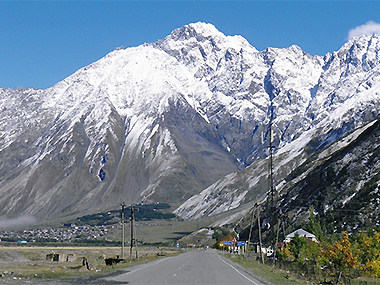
{"x": 250, "y": 280}
{"x": 143, "y": 267}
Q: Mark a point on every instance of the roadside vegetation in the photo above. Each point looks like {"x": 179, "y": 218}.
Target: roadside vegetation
{"x": 268, "y": 272}
{"x": 347, "y": 259}
{"x": 335, "y": 258}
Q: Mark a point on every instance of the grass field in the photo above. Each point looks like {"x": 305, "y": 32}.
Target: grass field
{"x": 161, "y": 231}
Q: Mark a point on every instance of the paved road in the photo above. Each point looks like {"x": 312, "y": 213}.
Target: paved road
{"x": 195, "y": 267}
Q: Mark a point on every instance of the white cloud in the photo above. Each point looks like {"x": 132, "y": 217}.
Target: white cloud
{"x": 20, "y": 221}
{"x": 368, "y": 28}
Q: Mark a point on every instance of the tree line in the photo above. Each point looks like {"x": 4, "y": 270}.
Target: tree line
{"x": 335, "y": 257}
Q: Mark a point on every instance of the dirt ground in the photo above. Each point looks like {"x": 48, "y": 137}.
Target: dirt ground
{"x": 34, "y": 265}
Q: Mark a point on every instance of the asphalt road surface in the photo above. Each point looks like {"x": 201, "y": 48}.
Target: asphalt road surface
{"x": 195, "y": 267}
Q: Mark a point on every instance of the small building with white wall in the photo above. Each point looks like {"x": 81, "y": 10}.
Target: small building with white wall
{"x": 301, "y": 233}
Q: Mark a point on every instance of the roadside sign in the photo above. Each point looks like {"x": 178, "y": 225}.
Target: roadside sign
{"x": 228, "y": 242}
{"x": 241, "y": 243}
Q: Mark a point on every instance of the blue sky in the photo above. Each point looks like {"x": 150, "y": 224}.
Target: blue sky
{"x": 43, "y": 42}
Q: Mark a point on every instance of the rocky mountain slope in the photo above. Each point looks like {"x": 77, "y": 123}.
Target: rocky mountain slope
{"x": 345, "y": 97}
{"x": 340, "y": 184}
{"x": 163, "y": 122}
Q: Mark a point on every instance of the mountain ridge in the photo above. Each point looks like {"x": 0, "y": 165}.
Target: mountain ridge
{"x": 164, "y": 121}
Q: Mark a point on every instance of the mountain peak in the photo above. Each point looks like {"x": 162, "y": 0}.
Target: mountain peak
{"x": 205, "y": 29}
{"x": 362, "y": 42}
{"x": 197, "y": 30}
{"x": 364, "y": 37}
{"x": 362, "y": 52}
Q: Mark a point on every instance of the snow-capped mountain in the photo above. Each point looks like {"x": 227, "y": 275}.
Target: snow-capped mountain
{"x": 163, "y": 122}
{"x": 316, "y": 101}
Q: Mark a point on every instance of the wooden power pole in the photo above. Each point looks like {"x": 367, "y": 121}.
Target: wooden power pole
{"x": 133, "y": 239}
{"x": 122, "y": 229}
{"x": 272, "y": 190}
{"x": 259, "y": 226}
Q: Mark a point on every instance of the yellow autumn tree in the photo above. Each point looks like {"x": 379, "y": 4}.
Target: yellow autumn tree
{"x": 369, "y": 253}
{"x": 341, "y": 256}
{"x": 285, "y": 254}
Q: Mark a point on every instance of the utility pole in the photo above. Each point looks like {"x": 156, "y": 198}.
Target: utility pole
{"x": 252, "y": 220}
{"x": 250, "y": 229}
{"x": 259, "y": 226}
{"x": 271, "y": 186}
{"x": 280, "y": 218}
{"x": 122, "y": 229}
{"x": 133, "y": 240}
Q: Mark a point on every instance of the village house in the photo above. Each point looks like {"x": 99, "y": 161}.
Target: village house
{"x": 301, "y": 233}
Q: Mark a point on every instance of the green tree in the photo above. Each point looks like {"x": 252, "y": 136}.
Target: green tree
{"x": 314, "y": 225}
{"x": 310, "y": 253}
{"x": 296, "y": 244}
{"x": 369, "y": 253}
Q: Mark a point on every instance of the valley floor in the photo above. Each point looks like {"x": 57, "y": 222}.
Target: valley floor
{"x": 34, "y": 265}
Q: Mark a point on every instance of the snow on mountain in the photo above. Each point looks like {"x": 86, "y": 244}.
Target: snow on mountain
{"x": 245, "y": 83}
{"x": 134, "y": 80}
{"x": 135, "y": 83}
{"x": 114, "y": 132}
{"x": 337, "y": 99}
{"x": 342, "y": 178}
{"x": 165, "y": 121}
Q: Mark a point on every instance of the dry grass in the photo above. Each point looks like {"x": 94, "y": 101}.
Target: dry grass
{"x": 30, "y": 262}
{"x": 269, "y": 273}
